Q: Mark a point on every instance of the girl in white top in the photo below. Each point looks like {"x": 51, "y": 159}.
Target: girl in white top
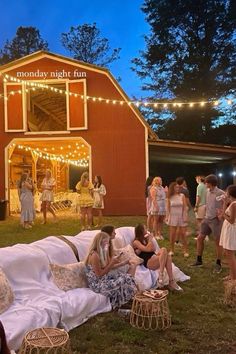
{"x": 99, "y": 193}
{"x": 47, "y": 196}
{"x": 177, "y": 216}
{"x": 228, "y": 231}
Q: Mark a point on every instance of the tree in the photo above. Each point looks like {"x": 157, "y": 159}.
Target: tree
{"x": 189, "y": 56}
{"x": 84, "y": 43}
{"x": 26, "y": 41}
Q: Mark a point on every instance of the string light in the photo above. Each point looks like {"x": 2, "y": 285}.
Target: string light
{"x": 168, "y": 104}
{"x": 53, "y": 157}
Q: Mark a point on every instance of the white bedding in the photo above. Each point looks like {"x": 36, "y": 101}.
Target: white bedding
{"x": 38, "y": 302}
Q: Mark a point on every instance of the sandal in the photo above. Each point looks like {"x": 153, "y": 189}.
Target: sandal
{"x": 173, "y": 286}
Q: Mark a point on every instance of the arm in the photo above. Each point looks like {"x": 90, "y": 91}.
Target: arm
{"x": 29, "y": 186}
{"x": 102, "y": 191}
{"x": 198, "y": 200}
{"x": 185, "y": 208}
{"x": 153, "y": 194}
{"x": 168, "y": 208}
{"x": 148, "y": 248}
{"x": 232, "y": 217}
{"x": 95, "y": 264}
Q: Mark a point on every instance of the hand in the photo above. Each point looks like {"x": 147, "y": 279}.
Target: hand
{"x": 115, "y": 260}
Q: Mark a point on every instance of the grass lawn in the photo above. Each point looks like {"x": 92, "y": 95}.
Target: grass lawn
{"x": 201, "y": 323}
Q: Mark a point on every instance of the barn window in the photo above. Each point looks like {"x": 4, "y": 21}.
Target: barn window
{"x": 47, "y": 109}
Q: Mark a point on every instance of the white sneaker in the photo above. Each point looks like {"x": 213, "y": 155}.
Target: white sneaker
{"x": 171, "y": 253}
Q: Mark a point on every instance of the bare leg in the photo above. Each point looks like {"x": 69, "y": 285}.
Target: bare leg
{"x": 49, "y": 208}
{"x": 182, "y": 231}
{"x": 99, "y": 217}
{"x": 219, "y": 249}
{"x": 232, "y": 263}
{"x": 82, "y": 218}
{"x": 44, "y": 210}
{"x": 169, "y": 267}
{"x": 150, "y": 222}
{"x": 160, "y": 219}
{"x": 172, "y": 237}
{"x": 155, "y": 225}
{"x": 200, "y": 245}
{"x": 90, "y": 217}
{"x": 162, "y": 259}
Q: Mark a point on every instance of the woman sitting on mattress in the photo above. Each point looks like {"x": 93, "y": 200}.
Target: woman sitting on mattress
{"x": 119, "y": 287}
{"x": 153, "y": 260}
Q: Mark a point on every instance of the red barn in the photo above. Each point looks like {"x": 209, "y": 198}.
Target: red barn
{"x": 71, "y": 116}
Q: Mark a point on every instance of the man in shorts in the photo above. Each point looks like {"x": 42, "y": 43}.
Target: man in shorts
{"x": 200, "y": 205}
{"x": 212, "y": 223}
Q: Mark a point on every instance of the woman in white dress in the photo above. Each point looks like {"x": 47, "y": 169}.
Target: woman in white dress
{"x": 158, "y": 206}
{"x": 99, "y": 193}
{"x": 176, "y": 216}
{"x": 228, "y": 231}
{"x": 47, "y": 196}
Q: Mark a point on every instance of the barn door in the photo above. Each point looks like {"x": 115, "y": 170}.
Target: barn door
{"x": 77, "y": 112}
{"x": 14, "y": 107}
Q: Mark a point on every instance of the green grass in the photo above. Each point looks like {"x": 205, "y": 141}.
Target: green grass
{"x": 201, "y": 323}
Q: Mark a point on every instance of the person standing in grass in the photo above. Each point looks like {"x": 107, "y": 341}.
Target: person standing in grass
{"x": 85, "y": 189}
{"x": 228, "y": 232}
{"x": 47, "y": 197}
{"x": 99, "y": 193}
{"x": 158, "y": 206}
{"x": 200, "y": 205}
{"x": 148, "y": 186}
{"x": 212, "y": 222}
{"x": 25, "y": 190}
{"x": 177, "y": 217}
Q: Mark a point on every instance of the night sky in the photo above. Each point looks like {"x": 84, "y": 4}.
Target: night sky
{"x": 121, "y": 22}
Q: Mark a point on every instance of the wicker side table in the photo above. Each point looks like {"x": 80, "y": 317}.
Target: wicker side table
{"x": 46, "y": 341}
{"x": 147, "y": 313}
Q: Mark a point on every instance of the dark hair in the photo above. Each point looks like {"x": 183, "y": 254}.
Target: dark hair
{"x": 108, "y": 229}
{"x": 139, "y": 232}
{"x": 212, "y": 179}
{"x": 171, "y": 189}
{"x": 180, "y": 180}
{"x": 23, "y": 178}
{"x": 232, "y": 190}
{"x": 148, "y": 184}
{"x": 4, "y": 348}
{"x": 98, "y": 184}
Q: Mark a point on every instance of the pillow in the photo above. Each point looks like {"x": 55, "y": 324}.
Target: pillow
{"x": 6, "y": 293}
{"x": 128, "y": 253}
{"x": 69, "y": 276}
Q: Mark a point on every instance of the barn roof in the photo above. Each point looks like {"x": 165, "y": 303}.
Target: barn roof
{"x": 42, "y": 54}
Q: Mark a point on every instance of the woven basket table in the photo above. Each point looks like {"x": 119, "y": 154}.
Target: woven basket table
{"x": 147, "y": 313}
{"x": 46, "y": 341}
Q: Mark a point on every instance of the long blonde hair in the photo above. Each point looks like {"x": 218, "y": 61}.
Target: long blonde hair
{"x": 96, "y": 246}
{"x": 84, "y": 177}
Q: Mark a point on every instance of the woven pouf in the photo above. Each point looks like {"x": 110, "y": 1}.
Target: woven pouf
{"x": 46, "y": 341}
{"x": 147, "y": 313}
{"x": 230, "y": 292}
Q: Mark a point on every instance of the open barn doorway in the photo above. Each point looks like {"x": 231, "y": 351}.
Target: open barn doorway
{"x": 67, "y": 158}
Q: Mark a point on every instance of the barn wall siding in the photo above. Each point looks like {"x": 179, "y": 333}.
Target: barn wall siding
{"x": 116, "y": 136}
